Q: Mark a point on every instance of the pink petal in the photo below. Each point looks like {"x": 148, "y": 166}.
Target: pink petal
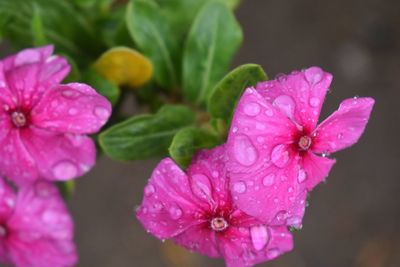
{"x": 208, "y": 177}
{"x": 16, "y": 162}
{"x": 239, "y": 251}
{"x": 253, "y": 137}
{"x": 59, "y": 157}
{"x": 74, "y": 107}
{"x": 6, "y": 97}
{"x": 41, "y": 229}
{"x": 269, "y": 194}
{"x": 344, "y": 127}
{"x": 199, "y": 238}
{"x": 316, "y": 169}
{"x": 27, "y": 56}
{"x": 7, "y": 201}
{"x": 299, "y": 95}
{"x": 29, "y": 73}
{"x": 169, "y": 206}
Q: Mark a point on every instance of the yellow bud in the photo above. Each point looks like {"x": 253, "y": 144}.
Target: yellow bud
{"x": 124, "y": 66}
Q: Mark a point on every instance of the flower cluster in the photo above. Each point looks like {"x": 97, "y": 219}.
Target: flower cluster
{"x": 43, "y": 127}
{"x": 237, "y": 200}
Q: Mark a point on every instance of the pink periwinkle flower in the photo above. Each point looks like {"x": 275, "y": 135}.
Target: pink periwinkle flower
{"x": 275, "y": 147}
{"x": 43, "y": 123}
{"x": 36, "y": 229}
{"x": 196, "y": 211}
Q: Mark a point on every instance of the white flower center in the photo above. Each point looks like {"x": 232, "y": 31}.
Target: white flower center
{"x": 305, "y": 142}
{"x": 219, "y": 224}
{"x": 18, "y": 118}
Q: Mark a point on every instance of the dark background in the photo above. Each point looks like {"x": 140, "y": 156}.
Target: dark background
{"x": 354, "y": 219}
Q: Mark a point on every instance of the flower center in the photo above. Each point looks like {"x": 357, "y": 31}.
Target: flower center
{"x": 304, "y": 142}
{"x": 19, "y": 119}
{"x": 219, "y": 224}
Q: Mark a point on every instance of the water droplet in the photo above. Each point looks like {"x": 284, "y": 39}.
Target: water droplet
{"x": 269, "y": 112}
{"x": 72, "y": 111}
{"x": 201, "y": 186}
{"x": 314, "y": 102}
{"x": 273, "y": 253}
{"x": 269, "y": 179}
{"x": 290, "y": 190}
{"x": 280, "y": 156}
{"x": 244, "y": 151}
{"x": 294, "y": 221}
{"x": 340, "y": 136}
{"x": 313, "y": 75}
{"x": 149, "y": 190}
{"x": 239, "y": 187}
{"x": 175, "y": 212}
{"x": 259, "y": 237}
{"x": 101, "y": 112}
{"x": 64, "y": 170}
{"x": 252, "y": 109}
{"x": 301, "y": 176}
{"x": 285, "y": 104}
{"x": 72, "y": 94}
{"x": 234, "y": 129}
{"x": 49, "y": 217}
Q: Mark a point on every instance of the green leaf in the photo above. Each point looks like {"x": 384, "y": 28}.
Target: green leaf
{"x": 39, "y": 37}
{"x": 227, "y": 92}
{"x": 151, "y": 32}
{"x": 102, "y": 85}
{"x": 66, "y": 188}
{"x": 145, "y": 136}
{"x": 188, "y": 141}
{"x": 212, "y": 42}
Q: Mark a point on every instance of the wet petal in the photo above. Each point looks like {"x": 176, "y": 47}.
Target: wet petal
{"x": 169, "y": 206}
{"x": 299, "y": 95}
{"x": 252, "y": 139}
{"x": 344, "y": 127}
{"x": 74, "y": 107}
{"x": 238, "y": 249}
{"x": 16, "y": 162}
{"x": 199, "y": 238}
{"x": 31, "y": 72}
{"x": 316, "y": 169}
{"x": 41, "y": 229}
{"x": 59, "y": 157}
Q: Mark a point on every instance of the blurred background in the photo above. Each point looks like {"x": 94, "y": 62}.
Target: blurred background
{"x": 353, "y": 219}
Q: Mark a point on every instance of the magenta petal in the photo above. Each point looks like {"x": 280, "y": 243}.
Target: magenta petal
{"x": 28, "y": 56}
{"x": 73, "y": 107}
{"x": 60, "y": 157}
{"x": 316, "y": 169}
{"x": 169, "y": 206}
{"x": 254, "y": 134}
{"x": 16, "y": 162}
{"x": 299, "y": 95}
{"x": 41, "y": 229}
{"x": 199, "y": 238}
{"x": 344, "y": 127}
{"x": 239, "y": 250}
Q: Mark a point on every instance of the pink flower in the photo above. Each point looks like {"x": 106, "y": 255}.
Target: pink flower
{"x": 42, "y": 123}
{"x": 196, "y": 211}
{"x": 35, "y": 227}
{"x": 275, "y": 147}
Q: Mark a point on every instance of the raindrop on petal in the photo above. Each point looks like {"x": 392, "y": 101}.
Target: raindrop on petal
{"x": 252, "y": 109}
{"x": 239, "y": 187}
{"x": 101, "y": 112}
{"x": 175, "y": 212}
{"x": 259, "y": 237}
{"x": 314, "y": 102}
{"x": 149, "y": 190}
{"x": 269, "y": 179}
{"x": 64, "y": 170}
{"x": 285, "y": 104}
{"x": 244, "y": 151}
{"x": 280, "y": 155}
{"x": 313, "y": 75}
{"x": 301, "y": 176}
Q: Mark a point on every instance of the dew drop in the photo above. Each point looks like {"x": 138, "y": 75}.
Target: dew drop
{"x": 149, "y": 190}
{"x": 175, "y": 212}
{"x": 285, "y": 104}
{"x": 259, "y": 237}
{"x": 340, "y": 136}
{"x": 269, "y": 179}
{"x": 313, "y": 75}
{"x": 252, "y": 109}
{"x": 314, "y": 102}
{"x": 239, "y": 187}
{"x": 72, "y": 111}
{"x": 72, "y": 94}
{"x": 101, "y": 112}
{"x": 64, "y": 170}
{"x": 273, "y": 253}
{"x": 280, "y": 156}
{"x": 269, "y": 112}
{"x": 201, "y": 186}
{"x": 244, "y": 151}
{"x": 301, "y": 176}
